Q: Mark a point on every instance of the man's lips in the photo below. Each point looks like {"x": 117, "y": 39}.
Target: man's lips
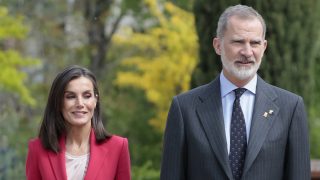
{"x": 244, "y": 62}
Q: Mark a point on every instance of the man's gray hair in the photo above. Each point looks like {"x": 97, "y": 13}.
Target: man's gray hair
{"x": 241, "y": 11}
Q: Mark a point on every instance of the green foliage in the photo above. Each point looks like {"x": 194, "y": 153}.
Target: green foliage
{"x": 163, "y": 58}
{"x": 145, "y": 172}
{"x": 156, "y": 65}
{"x": 128, "y": 112}
{"x": 11, "y": 62}
{"x": 11, "y": 76}
{"x": 291, "y": 56}
{"x": 11, "y": 27}
{"x": 133, "y": 5}
{"x": 184, "y": 4}
{"x": 314, "y": 131}
{"x": 15, "y": 131}
{"x": 314, "y": 124}
{"x": 9, "y": 168}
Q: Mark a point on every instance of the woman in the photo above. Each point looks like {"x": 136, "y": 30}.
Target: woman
{"x": 72, "y": 142}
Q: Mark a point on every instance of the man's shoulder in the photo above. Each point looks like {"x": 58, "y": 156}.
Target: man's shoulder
{"x": 194, "y": 91}
{"x": 197, "y": 91}
{"x": 281, "y": 92}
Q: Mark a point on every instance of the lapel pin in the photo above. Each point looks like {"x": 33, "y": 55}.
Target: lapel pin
{"x": 265, "y": 114}
{"x": 270, "y": 111}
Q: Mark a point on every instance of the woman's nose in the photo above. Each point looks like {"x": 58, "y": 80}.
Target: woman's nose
{"x": 79, "y": 102}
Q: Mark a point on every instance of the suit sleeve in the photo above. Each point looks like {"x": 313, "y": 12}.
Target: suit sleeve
{"x": 32, "y": 169}
{"x": 297, "y": 165}
{"x": 174, "y": 158}
{"x": 123, "y": 169}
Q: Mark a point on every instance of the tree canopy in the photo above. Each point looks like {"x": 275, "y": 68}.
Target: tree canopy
{"x": 163, "y": 59}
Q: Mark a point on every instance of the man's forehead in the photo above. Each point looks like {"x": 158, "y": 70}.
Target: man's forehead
{"x": 251, "y": 38}
{"x": 244, "y": 26}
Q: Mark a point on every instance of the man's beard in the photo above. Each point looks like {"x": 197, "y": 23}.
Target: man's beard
{"x": 241, "y": 72}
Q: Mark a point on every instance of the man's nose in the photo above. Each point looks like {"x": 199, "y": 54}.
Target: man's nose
{"x": 247, "y": 50}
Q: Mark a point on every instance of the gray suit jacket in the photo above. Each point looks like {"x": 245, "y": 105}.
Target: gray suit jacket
{"x": 195, "y": 145}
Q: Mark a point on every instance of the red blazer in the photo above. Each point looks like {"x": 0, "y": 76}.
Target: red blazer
{"x": 108, "y": 161}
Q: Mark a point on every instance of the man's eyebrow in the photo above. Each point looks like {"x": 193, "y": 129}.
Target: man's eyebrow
{"x": 256, "y": 41}
{"x": 237, "y": 40}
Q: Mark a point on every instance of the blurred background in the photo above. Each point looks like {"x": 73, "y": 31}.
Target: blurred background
{"x": 143, "y": 52}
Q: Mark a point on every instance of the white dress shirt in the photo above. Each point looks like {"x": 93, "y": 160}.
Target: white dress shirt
{"x": 246, "y": 102}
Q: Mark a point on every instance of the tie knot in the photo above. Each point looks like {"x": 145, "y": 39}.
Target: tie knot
{"x": 239, "y": 91}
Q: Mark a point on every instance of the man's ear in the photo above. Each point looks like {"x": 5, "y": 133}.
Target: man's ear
{"x": 265, "y": 43}
{"x": 216, "y": 43}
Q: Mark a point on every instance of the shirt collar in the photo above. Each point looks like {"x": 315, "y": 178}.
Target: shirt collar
{"x": 227, "y": 86}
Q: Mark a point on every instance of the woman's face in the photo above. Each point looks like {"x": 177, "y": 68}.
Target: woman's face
{"x": 79, "y": 102}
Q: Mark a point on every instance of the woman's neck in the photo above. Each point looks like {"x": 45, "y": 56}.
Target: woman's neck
{"x": 78, "y": 141}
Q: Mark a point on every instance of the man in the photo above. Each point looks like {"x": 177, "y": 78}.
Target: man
{"x": 237, "y": 126}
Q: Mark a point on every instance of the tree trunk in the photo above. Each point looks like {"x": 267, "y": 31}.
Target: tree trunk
{"x": 96, "y": 12}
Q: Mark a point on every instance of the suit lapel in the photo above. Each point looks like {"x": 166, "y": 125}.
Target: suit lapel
{"x": 210, "y": 114}
{"x": 58, "y": 162}
{"x": 98, "y": 153}
{"x": 263, "y": 116}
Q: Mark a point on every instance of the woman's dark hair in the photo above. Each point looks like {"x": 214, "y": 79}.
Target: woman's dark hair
{"x": 53, "y": 125}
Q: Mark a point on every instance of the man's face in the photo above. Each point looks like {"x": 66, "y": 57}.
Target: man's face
{"x": 241, "y": 49}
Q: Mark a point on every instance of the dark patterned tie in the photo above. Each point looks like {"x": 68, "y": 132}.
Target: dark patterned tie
{"x": 238, "y": 137}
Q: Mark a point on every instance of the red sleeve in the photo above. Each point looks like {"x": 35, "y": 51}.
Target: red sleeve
{"x": 123, "y": 168}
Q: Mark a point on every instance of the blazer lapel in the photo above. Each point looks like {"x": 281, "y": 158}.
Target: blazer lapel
{"x": 210, "y": 114}
{"x": 263, "y": 116}
{"x": 58, "y": 162}
{"x": 97, "y": 157}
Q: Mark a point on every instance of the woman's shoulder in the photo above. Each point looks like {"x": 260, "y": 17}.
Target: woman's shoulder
{"x": 118, "y": 139}
{"x": 35, "y": 142}
{"x": 35, "y": 145}
{"x": 115, "y": 141}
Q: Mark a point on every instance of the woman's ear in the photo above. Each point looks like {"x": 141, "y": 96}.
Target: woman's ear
{"x": 97, "y": 99}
